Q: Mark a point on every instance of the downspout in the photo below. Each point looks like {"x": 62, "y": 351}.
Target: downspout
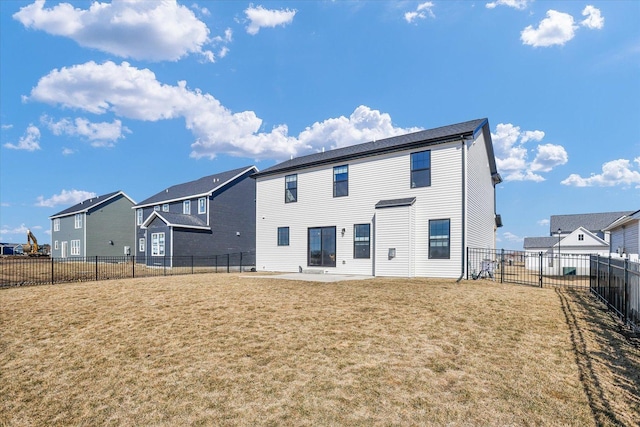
{"x": 464, "y": 210}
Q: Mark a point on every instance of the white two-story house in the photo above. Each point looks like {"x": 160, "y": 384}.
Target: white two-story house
{"x": 404, "y": 206}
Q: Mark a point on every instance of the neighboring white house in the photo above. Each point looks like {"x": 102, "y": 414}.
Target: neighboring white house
{"x": 625, "y": 236}
{"x": 405, "y": 206}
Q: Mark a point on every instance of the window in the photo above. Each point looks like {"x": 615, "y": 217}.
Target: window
{"x": 322, "y": 247}
{"x": 157, "y": 244}
{"x": 186, "y": 207}
{"x": 165, "y": 207}
{"x": 75, "y": 247}
{"x": 341, "y": 181}
{"x": 56, "y": 224}
{"x": 202, "y": 205}
{"x": 141, "y": 245}
{"x": 55, "y": 245}
{"x": 361, "y": 246}
{"x": 439, "y": 239}
{"x": 421, "y": 169}
{"x": 156, "y": 208}
{"x": 283, "y": 236}
{"x": 78, "y": 221}
{"x": 581, "y": 237}
{"x": 139, "y": 216}
{"x": 291, "y": 188}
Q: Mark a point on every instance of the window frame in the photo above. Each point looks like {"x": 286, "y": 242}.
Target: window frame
{"x": 358, "y": 243}
{"x": 331, "y": 233}
{"x": 158, "y": 244}
{"x": 434, "y": 251}
{"x": 580, "y": 237}
{"x": 293, "y": 190}
{"x": 202, "y": 205}
{"x": 418, "y": 171}
{"x": 56, "y": 224}
{"x": 337, "y": 184}
{"x": 165, "y": 207}
{"x": 156, "y": 208}
{"x": 75, "y": 247}
{"x": 55, "y": 245}
{"x": 77, "y": 221}
{"x": 281, "y": 236}
{"x": 139, "y": 216}
{"x": 186, "y": 207}
{"x": 142, "y": 245}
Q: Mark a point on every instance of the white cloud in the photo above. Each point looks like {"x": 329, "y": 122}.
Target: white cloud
{"x": 21, "y": 229}
{"x": 30, "y": 141}
{"x": 516, "y": 4}
{"x": 135, "y": 93}
{"x": 594, "y": 19}
{"x": 100, "y": 134}
{"x": 67, "y": 151}
{"x": 139, "y": 29}
{"x": 615, "y": 172}
{"x": 510, "y": 237}
{"x": 66, "y": 197}
{"x": 422, "y": 11}
{"x": 543, "y": 222}
{"x": 512, "y": 157}
{"x": 260, "y": 17}
{"x": 7, "y": 127}
{"x": 556, "y": 29}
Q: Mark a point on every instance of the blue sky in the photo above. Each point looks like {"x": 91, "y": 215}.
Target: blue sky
{"x": 97, "y": 97}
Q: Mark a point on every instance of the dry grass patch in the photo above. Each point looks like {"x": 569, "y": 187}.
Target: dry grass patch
{"x": 231, "y": 350}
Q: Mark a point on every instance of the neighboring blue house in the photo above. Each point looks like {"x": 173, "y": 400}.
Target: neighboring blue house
{"x": 213, "y": 215}
{"x": 98, "y": 226}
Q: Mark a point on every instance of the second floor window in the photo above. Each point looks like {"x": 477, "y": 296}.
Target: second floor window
{"x": 202, "y": 205}
{"x": 139, "y": 216}
{"x": 341, "y": 181}
{"x": 78, "y": 221}
{"x": 186, "y": 207}
{"x": 291, "y": 188}
{"x": 56, "y": 224}
{"x": 421, "y": 169}
{"x": 165, "y": 207}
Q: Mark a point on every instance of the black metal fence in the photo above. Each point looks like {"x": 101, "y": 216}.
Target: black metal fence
{"x": 23, "y": 270}
{"x": 525, "y": 268}
{"x": 616, "y": 281}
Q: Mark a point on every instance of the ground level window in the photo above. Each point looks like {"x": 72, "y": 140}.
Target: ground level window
{"x": 439, "y": 237}
{"x": 361, "y": 241}
{"x": 75, "y": 247}
{"x": 141, "y": 245}
{"x": 157, "y": 244}
{"x": 322, "y": 247}
{"x": 283, "y": 236}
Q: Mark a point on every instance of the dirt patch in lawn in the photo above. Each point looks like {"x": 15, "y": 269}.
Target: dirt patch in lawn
{"x": 220, "y": 349}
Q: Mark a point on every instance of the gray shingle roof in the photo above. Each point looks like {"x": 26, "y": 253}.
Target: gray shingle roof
{"x": 199, "y": 187}
{"x": 593, "y": 222}
{"x": 85, "y": 205}
{"x": 539, "y": 242}
{"x": 395, "y": 202}
{"x": 421, "y": 138}
{"x": 178, "y": 220}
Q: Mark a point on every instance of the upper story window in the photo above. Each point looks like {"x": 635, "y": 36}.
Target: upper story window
{"x": 581, "y": 237}
{"x": 139, "y": 216}
{"x": 291, "y": 188}
{"x": 361, "y": 241}
{"x": 202, "y": 205}
{"x": 439, "y": 238}
{"x": 421, "y": 169}
{"x": 186, "y": 207}
{"x": 56, "y": 224}
{"x": 156, "y": 208}
{"x": 341, "y": 181}
{"x": 165, "y": 207}
{"x": 78, "y": 221}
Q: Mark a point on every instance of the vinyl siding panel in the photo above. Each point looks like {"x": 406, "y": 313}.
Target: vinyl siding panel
{"x": 371, "y": 179}
{"x": 112, "y": 221}
{"x": 627, "y": 238}
{"x": 394, "y": 230}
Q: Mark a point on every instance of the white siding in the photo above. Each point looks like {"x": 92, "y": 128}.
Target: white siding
{"x": 394, "y": 229}
{"x": 627, "y": 238}
{"x": 481, "y": 223}
{"x": 371, "y": 179}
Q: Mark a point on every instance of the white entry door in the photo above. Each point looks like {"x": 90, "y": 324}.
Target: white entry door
{"x": 63, "y": 250}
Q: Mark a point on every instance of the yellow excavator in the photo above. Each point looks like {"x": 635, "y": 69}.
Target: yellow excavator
{"x": 31, "y": 248}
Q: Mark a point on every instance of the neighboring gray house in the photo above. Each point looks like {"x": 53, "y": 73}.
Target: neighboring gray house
{"x": 213, "y": 215}
{"x": 594, "y": 222}
{"x": 625, "y": 235}
{"x": 98, "y": 226}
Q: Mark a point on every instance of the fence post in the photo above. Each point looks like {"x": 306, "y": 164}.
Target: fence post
{"x": 228, "y": 262}
{"x": 96, "y": 268}
{"x": 240, "y": 261}
{"x": 501, "y": 265}
{"x": 609, "y": 281}
{"x": 626, "y": 291}
{"x": 191, "y": 264}
{"x": 540, "y": 268}
{"x": 133, "y": 266}
{"x": 52, "y": 272}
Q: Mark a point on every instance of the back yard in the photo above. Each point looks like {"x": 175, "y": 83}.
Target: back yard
{"x": 236, "y": 349}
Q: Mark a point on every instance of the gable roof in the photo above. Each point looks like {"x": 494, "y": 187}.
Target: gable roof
{"x": 177, "y": 220}
{"x": 402, "y": 142}
{"x": 623, "y": 220}
{"x": 198, "y": 188}
{"x": 592, "y": 221}
{"x": 90, "y": 203}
